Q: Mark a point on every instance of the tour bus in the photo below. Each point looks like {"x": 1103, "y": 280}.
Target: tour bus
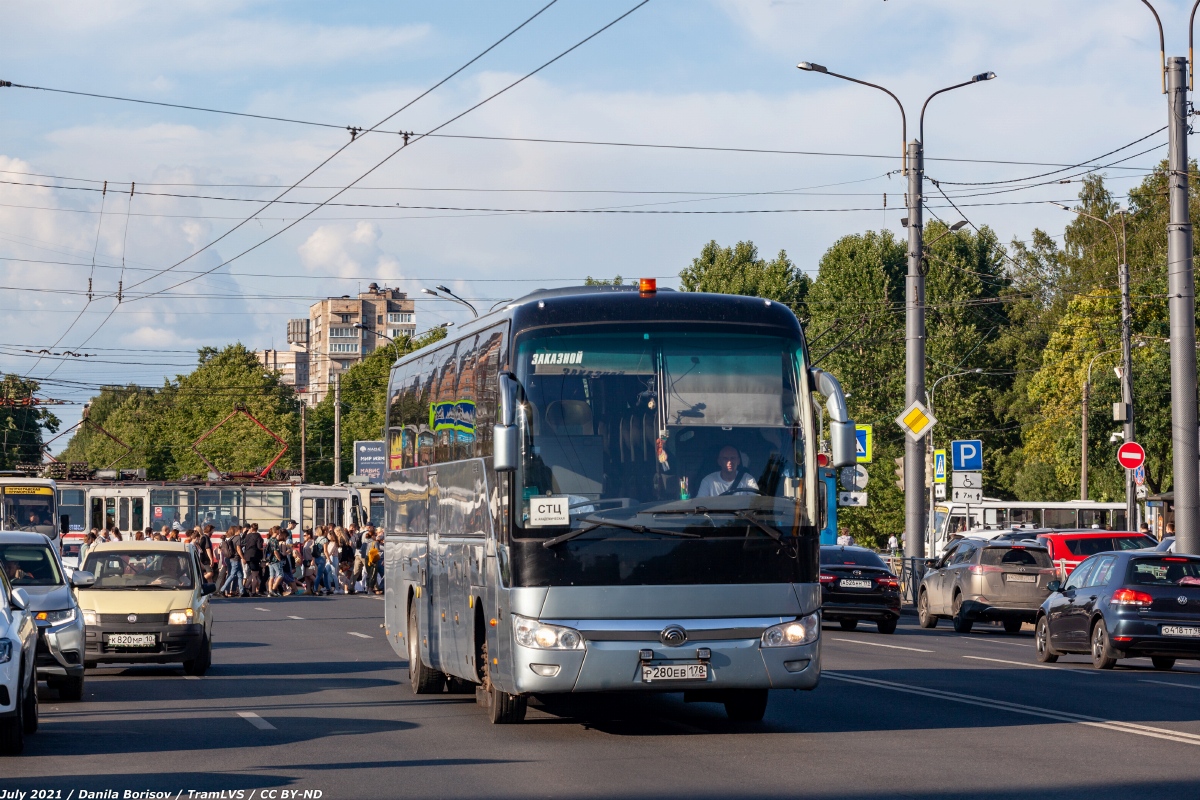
{"x": 29, "y": 504}
{"x": 601, "y": 489}
{"x": 950, "y": 518}
{"x": 132, "y": 505}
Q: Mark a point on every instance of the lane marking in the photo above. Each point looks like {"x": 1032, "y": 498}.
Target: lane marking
{"x": 256, "y": 608}
{"x": 881, "y": 644}
{"x": 191, "y": 677}
{"x": 996, "y": 641}
{"x": 1028, "y": 664}
{"x": 1016, "y": 708}
{"x": 291, "y": 617}
{"x": 1168, "y": 683}
{"x": 360, "y": 635}
{"x": 256, "y": 720}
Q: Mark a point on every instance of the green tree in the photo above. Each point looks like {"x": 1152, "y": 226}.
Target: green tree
{"x": 23, "y": 421}
{"x": 616, "y": 281}
{"x": 739, "y": 270}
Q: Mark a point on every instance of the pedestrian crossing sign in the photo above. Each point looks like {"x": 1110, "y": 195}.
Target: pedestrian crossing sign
{"x": 916, "y": 420}
{"x": 864, "y": 443}
{"x": 939, "y": 466}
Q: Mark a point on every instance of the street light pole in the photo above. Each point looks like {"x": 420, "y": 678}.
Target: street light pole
{"x": 914, "y": 319}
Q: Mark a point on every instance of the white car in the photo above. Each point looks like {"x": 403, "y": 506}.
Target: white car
{"x": 18, "y": 668}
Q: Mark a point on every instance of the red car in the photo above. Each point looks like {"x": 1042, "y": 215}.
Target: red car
{"x": 1070, "y": 548}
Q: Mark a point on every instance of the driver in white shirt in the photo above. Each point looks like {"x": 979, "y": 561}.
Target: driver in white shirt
{"x": 729, "y": 478}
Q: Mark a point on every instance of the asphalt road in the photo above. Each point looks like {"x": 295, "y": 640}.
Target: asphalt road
{"x": 305, "y": 694}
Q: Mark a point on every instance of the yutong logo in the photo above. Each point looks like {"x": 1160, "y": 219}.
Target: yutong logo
{"x": 673, "y": 636}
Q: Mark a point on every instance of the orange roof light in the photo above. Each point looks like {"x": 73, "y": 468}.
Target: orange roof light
{"x": 647, "y": 285}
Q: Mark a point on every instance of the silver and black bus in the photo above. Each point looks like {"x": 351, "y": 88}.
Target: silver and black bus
{"x": 608, "y": 489}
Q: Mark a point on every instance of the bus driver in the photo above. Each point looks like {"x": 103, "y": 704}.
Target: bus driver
{"x": 730, "y": 478}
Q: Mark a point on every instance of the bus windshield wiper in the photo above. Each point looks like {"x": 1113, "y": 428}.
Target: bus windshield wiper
{"x": 744, "y": 514}
{"x": 594, "y": 522}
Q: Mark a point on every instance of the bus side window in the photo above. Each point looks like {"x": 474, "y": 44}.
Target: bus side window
{"x": 958, "y": 524}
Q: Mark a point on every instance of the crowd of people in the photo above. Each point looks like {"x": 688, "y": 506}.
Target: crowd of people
{"x": 244, "y": 562}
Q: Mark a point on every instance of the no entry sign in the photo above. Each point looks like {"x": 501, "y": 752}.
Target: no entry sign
{"x": 1131, "y": 455}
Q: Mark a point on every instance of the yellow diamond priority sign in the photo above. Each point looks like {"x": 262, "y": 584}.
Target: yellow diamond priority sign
{"x": 916, "y": 420}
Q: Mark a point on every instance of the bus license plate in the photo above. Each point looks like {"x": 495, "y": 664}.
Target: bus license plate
{"x": 854, "y": 583}
{"x": 674, "y": 672}
{"x": 1017, "y": 578}
{"x": 131, "y": 640}
{"x": 1176, "y": 630}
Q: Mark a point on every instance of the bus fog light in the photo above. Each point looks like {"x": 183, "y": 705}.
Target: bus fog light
{"x": 796, "y": 632}
{"x": 545, "y": 670}
{"x": 799, "y": 665}
{"x": 540, "y": 636}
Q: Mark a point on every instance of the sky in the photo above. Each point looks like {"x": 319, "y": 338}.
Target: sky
{"x": 1075, "y": 79}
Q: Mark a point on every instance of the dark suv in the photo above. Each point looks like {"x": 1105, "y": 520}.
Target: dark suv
{"x": 991, "y": 580}
{"x": 857, "y": 585}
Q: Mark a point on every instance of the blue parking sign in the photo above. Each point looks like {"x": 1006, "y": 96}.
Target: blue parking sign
{"x": 967, "y": 454}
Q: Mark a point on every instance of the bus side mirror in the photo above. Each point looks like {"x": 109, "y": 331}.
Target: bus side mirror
{"x": 843, "y": 438}
{"x": 64, "y": 524}
{"x": 504, "y": 434}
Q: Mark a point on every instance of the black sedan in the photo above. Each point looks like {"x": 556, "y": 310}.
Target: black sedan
{"x": 857, "y": 585}
{"x": 1128, "y": 604}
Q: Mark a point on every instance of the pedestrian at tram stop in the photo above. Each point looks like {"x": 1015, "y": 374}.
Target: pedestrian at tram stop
{"x": 230, "y": 547}
{"x": 893, "y": 544}
{"x": 252, "y": 559}
{"x": 844, "y": 538}
{"x": 318, "y": 557}
{"x": 289, "y": 527}
{"x": 375, "y": 564}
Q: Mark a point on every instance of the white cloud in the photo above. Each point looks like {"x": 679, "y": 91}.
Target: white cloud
{"x": 348, "y": 251}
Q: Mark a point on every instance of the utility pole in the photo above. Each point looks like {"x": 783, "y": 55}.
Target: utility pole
{"x": 914, "y": 357}
{"x": 1181, "y": 283}
{"x": 1127, "y": 390}
{"x": 337, "y": 428}
{"x": 1083, "y": 441}
{"x": 303, "y": 442}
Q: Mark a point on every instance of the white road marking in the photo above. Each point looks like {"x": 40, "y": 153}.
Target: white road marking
{"x": 291, "y": 617}
{"x": 881, "y": 644}
{"x": 191, "y": 677}
{"x": 996, "y": 641}
{"x": 360, "y": 635}
{"x": 1168, "y": 683}
{"x": 256, "y": 720}
{"x": 1016, "y": 708}
{"x": 256, "y": 608}
{"x": 1030, "y": 664}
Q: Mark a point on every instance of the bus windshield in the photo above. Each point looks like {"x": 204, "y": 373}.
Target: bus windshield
{"x": 626, "y": 423}
{"x": 30, "y": 508}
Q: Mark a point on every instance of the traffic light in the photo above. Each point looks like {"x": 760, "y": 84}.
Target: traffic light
{"x": 900, "y": 473}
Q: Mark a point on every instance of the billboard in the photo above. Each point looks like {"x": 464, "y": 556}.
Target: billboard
{"x": 370, "y": 460}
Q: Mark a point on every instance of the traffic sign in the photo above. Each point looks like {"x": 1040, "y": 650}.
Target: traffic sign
{"x": 968, "y": 480}
{"x": 1131, "y": 455}
{"x": 966, "y": 495}
{"x": 1139, "y": 475}
{"x": 967, "y": 454}
{"x": 939, "y": 466}
{"x": 916, "y": 420}
{"x": 852, "y": 499}
{"x": 855, "y": 478}
{"x": 865, "y": 442}
{"x": 939, "y": 491}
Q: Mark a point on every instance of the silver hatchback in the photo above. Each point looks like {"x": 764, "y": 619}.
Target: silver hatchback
{"x": 1002, "y": 581}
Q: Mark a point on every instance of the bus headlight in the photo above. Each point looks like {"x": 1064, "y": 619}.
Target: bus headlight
{"x": 790, "y": 634}
{"x": 540, "y": 636}
{"x": 183, "y": 617}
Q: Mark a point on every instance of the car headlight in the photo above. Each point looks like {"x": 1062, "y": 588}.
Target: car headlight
{"x": 540, "y": 636}
{"x": 6, "y": 649}
{"x": 51, "y": 618}
{"x": 789, "y": 634}
{"x": 91, "y": 618}
{"x": 183, "y": 617}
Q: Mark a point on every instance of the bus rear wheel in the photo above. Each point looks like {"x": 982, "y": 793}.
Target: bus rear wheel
{"x": 422, "y": 679}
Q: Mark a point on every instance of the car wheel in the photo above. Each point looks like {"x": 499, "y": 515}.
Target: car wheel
{"x": 30, "y": 711}
{"x": 886, "y": 625}
{"x": 1102, "y": 657}
{"x": 746, "y": 705}
{"x": 70, "y": 690}
{"x": 1041, "y": 639}
{"x": 1162, "y": 662}
{"x": 926, "y": 619}
{"x": 422, "y": 679}
{"x": 848, "y": 624}
{"x": 1012, "y": 626}
{"x": 961, "y": 623}
{"x": 12, "y": 729}
{"x": 203, "y": 660}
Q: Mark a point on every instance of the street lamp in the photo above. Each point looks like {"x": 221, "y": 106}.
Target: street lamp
{"x": 445, "y": 294}
{"x": 929, "y": 400}
{"x": 914, "y": 324}
{"x": 1126, "y": 359}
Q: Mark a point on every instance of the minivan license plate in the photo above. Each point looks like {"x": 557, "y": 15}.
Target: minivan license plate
{"x": 131, "y": 640}
{"x": 1176, "y": 630}
{"x": 674, "y": 672}
{"x": 854, "y": 583}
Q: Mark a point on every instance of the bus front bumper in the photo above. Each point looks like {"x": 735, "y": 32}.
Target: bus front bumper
{"x": 617, "y": 666}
